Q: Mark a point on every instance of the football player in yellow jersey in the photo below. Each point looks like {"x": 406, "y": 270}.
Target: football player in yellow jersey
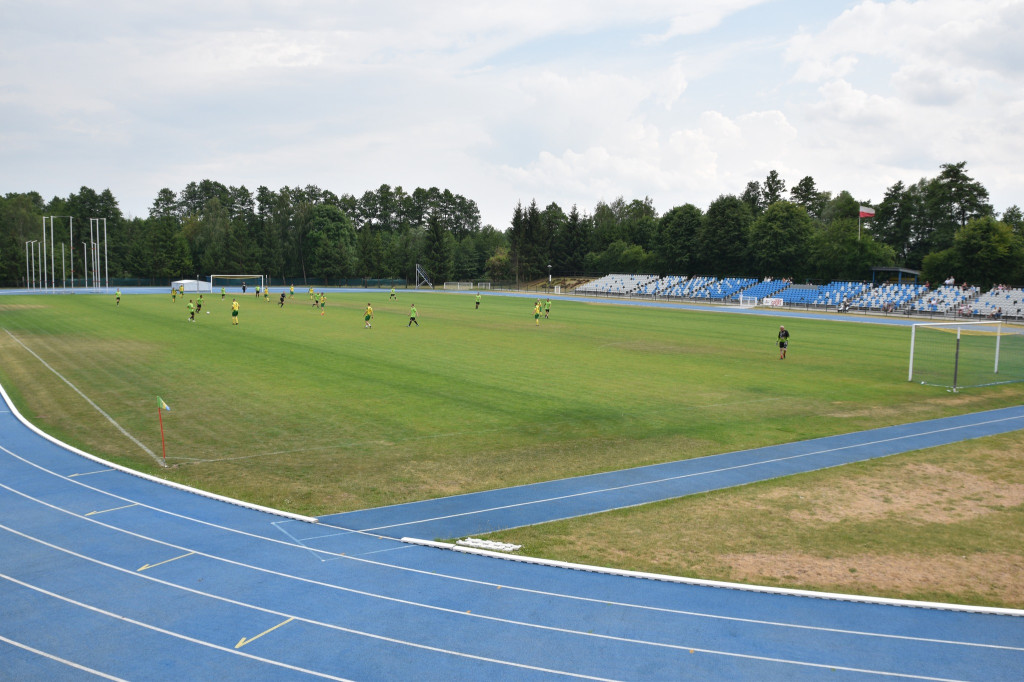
{"x": 234, "y": 311}
{"x": 368, "y": 317}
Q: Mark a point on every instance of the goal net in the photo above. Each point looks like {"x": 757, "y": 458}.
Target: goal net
{"x": 191, "y": 285}
{"x": 235, "y": 282}
{"x": 458, "y": 286}
{"x": 966, "y": 354}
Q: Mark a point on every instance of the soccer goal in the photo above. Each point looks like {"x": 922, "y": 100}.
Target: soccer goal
{"x": 748, "y": 301}
{"x": 458, "y": 286}
{"x": 966, "y": 354}
{"x": 236, "y": 281}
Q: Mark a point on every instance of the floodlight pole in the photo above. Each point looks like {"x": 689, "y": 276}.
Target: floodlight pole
{"x": 42, "y": 265}
{"x": 106, "y": 263}
{"x": 53, "y": 268}
{"x": 32, "y": 280}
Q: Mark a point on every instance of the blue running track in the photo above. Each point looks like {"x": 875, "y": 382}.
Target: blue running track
{"x": 107, "y": 575}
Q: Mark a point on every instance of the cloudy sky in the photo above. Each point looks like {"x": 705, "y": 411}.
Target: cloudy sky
{"x": 573, "y": 102}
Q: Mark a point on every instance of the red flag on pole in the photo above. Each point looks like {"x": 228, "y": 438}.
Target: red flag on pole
{"x": 161, "y": 405}
{"x": 867, "y": 212}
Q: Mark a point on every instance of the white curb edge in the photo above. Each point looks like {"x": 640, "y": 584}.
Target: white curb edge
{"x": 991, "y": 610}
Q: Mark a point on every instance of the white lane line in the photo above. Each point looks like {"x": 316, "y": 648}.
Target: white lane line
{"x": 88, "y": 400}
{"x": 470, "y": 581}
{"x": 417, "y": 571}
{"x": 298, "y": 542}
{"x": 689, "y": 475}
{"x": 58, "y": 659}
{"x": 625, "y": 640}
{"x": 131, "y": 621}
{"x": 281, "y": 614}
{"x": 90, "y": 473}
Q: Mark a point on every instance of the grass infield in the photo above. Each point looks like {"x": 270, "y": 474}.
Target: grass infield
{"x": 316, "y": 414}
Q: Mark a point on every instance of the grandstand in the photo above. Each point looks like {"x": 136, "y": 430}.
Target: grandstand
{"x": 916, "y": 299}
{"x": 1000, "y": 302}
{"x": 945, "y": 299}
{"x": 616, "y": 284}
{"x": 766, "y": 289}
{"x": 894, "y": 295}
{"x": 669, "y": 285}
{"x": 719, "y": 290}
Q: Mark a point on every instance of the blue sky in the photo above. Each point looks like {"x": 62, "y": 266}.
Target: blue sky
{"x": 573, "y": 102}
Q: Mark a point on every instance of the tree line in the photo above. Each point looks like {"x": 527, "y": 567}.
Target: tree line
{"x": 943, "y": 225}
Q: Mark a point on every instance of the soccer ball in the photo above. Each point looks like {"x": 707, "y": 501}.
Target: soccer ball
{"x": 207, "y": 312}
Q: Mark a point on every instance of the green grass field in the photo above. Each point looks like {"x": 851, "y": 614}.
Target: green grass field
{"x": 318, "y": 415}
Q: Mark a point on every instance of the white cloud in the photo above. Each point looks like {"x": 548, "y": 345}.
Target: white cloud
{"x": 568, "y": 102}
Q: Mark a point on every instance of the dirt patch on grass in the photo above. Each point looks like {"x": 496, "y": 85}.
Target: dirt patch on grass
{"x": 7, "y": 307}
{"x": 923, "y": 493}
{"x": 995, "y": 576}
{"x": 884, "y": 413}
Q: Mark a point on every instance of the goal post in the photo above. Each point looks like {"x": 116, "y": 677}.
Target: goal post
{"x": 966, "y": 354}
{"x": 217, "y": 281}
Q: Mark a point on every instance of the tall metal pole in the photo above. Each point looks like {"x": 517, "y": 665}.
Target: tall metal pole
{"x": 26, "y": 264}
{"x": 42, "y": 264}
{"x": 33, "y": 243}
{"x": 85, "y": 259}
{"x": 92, "y": 263}
{"x": 71, "y": 248}
{"x": 106, "y": 263}
{"x": 53, "y": 269}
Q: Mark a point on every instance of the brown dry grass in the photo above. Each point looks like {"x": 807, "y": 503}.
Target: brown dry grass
{"x": 944, "y": 524}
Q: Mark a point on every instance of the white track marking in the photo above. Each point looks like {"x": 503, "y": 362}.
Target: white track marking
{"x": 331, "y": 626}
{"x": 281, "y": 614}
{"x": 59, "y": 659}
{"x": 681, "y": 476}
{"x": 88, "y": 400}
{"x": 471, "y": 581}
{"x": 162, "y": 631}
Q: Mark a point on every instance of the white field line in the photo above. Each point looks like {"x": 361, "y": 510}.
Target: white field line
{"x": 138, "y": 474}
{"x": 88, "y": 400}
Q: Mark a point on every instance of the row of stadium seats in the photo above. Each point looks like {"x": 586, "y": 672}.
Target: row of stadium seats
{"x": 999, "y": 302}
{"x": 944, "y": 299}
{"x": 617, "y": 284}
{"x": 845, "y": 295}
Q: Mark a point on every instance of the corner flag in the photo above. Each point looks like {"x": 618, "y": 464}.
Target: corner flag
{"x": 161, "y": 405}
